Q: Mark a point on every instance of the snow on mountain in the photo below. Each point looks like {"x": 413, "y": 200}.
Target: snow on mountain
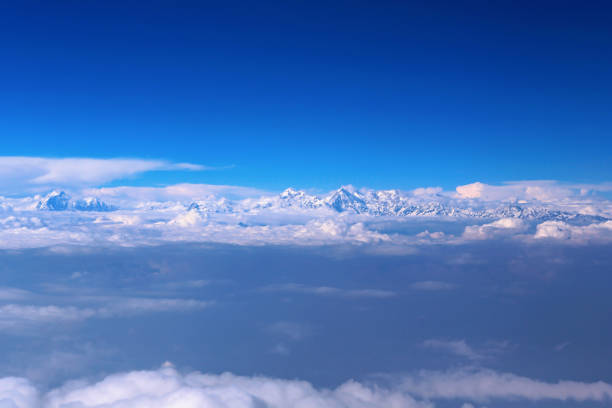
{"x": 60, "y": 201}
{"x": 344, "y": 200}
{"x": 91, "y": 204}
{"x": 290, "y": 199}
{"x": 54, "y": 201}
{"x": 298, "y": 217}
{"x": 213, "y": 204}
{"x": 297, "y": 198}
{"x": 388, "y": 203}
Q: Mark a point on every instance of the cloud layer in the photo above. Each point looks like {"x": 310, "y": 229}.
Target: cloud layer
{"x": 385, "y": 220}
{"x": 166, "y": 387}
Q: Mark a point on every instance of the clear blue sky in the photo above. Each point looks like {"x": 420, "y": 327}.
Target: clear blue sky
{"x": 395, "y": 94}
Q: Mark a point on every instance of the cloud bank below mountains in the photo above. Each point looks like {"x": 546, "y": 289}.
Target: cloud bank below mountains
{"x": 166, "y": 387}
{"x": 389, "y": 219}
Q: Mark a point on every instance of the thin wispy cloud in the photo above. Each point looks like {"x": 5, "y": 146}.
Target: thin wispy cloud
{"x": 329, "y": 291}
{"x": 27, "y": 173}
{"x": 129, "y": 195}
{"x": 489, "y": 385}
{"x": 15, "y": 316}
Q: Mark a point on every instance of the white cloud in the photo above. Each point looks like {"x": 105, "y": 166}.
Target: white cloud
{"x": 473, "y": 190}
{"x": 548, "y": 191}
{"x": 152, "y": 227}
{"x": 15, "y": 315}
{"x": 166, "y": 388}
{"x": 20, "y": 316}
{"x": 177, "y": 192}
{"x": 21, "y": 172}
{"x": 18, "y": 393}
{"x": 498, "y": 228}
{"x": 330, "y": 291}
{"x": 484, "y": 384}
{"x": 427, "y": 191}
{"x": 558, "y": 230}
{"x": 13, "y": 293}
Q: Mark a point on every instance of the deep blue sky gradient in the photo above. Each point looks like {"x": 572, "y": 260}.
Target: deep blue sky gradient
{"x": 308, "y": 94}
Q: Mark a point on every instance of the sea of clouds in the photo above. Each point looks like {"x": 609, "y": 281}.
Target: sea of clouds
{"x": 167, "y": 387}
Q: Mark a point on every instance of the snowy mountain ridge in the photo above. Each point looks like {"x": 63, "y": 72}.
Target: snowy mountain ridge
{"x": 344, "y": 200}
{"x": 61, "y": 201}
{"x": 390, "y": 203}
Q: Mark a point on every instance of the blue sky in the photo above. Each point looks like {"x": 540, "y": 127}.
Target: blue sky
{"x": 314, "y": 95}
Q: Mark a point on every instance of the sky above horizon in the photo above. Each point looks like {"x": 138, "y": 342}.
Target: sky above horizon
{"x": 277, "y": 94}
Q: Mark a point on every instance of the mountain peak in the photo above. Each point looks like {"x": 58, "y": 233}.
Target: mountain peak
{"x": 61, "y": 201}
{"x": 291, "y": 192}
{"x": 344, "y": 199}
{"x": 54, "y": 201}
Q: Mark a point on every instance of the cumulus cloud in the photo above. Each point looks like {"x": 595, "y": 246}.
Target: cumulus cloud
{"x": 558, "y": 230}
{"x": 159, "y": 226}
{"x": 548, "y": 191}
{"x": 166, "y": 387}
{"x": 19, "y": 172}
{"x": 329, "y": 291}
{"x": 474, "y": 190}
{"x": 540, "y": 190}
{"x": 427, "y": 191}
{"x": 498, "y": 228}
{"x": 18, "y": 393}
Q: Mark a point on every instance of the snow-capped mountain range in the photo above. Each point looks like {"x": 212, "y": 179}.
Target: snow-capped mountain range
{"x": 391, "y": 203}
{"x": 61, "y": 201}
{"x": 345, "y": 200}
{"x": 396, "y": 220}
